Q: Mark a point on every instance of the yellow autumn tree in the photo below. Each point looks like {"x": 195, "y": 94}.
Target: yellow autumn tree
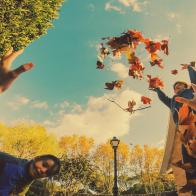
{"x": 27, "y": 141}
{"x": 104, "y": 157}
{"x": 75, "y": 145}
{"x": 145, "y": 163}
{"x": 123, "y": 166}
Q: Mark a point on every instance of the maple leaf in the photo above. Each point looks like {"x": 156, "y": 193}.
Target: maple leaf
{"x": 164, "y": 46}
{"x": 131, "y": 105}
{"x": 119, "y": 42}
{"x": 153, "y": 56}
{"x": 118, "y": 84}
{"x": 154, "y": 82}
{"x": 145, "y": 100}
{"x": 110, "y": 85}
{"x": 157, "y": 62}
{"x": 151, "y": 46}
{"x": 100, "y": 65}
{"x": 174, "y": 71}
{"x": 185, "y": 116}
{"x": 136, "y": 37}
{"x": 136, "y": 68}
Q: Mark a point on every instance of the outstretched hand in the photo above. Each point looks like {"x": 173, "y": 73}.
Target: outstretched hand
{"x": 7, "y": 76}
{"x": 185, "y": 66}
{"x": 190, "y": 102}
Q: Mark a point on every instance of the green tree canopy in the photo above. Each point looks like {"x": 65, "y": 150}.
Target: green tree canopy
{"x": 22, "y": 21}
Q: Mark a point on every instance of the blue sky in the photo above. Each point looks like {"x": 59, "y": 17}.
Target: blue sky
{"x": 65, "y": 92}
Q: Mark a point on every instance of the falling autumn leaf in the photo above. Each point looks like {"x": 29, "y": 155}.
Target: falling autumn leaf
{"x": 100, "y": 65}
{"x": 164, "y": 46}
{"x": 145, "y": 100}
{"x": 151, "y": 46}
{"x": 157, "y": 62}
{"x": 185, "y": 116}
{"x": 136, "y": 69}
{"x": 131, "y": 105}
{"x": 154, "y": 82}
{"x": 110, "y": 85}
{"x": 174, "y": 72}
{"x": 117, "y": 84}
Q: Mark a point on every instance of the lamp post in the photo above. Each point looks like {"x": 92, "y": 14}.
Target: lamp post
{"x": 114, "y": 143}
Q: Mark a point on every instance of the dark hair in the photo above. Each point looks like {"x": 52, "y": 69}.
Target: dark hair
{"x": 180, "y": 82}
{"x": 55, "y": 168}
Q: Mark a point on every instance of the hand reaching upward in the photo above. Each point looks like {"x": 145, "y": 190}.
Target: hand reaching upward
{"x": 8, "y": 76}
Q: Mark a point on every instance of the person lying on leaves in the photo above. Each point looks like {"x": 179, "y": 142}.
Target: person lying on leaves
{"x": 8, "y": 76}
{"x": 16, "y": 173}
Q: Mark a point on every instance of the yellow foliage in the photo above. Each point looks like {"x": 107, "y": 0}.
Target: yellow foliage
{"x": 27, "y": 141}
{"x": 76, "y": 145}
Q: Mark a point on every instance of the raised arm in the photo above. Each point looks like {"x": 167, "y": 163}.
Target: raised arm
{"x": 191, "y": 71}
{"x": 163, "y": 97}
{"x": 192, "y": 74}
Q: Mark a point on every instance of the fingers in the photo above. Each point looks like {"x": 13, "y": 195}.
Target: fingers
{"x": 28, "y": 66}
{"x": 8, "y": 53}
{"x": 23, "y": 68}
{"x": 194, "y": 87}
{"x": 10, "y": 57}
{"x": 184, "y": 66}
{"x": 152, "y": 89}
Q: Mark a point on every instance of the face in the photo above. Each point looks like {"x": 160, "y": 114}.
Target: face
{"x": 40, "y": 168}
{"x": 179, "y": 87}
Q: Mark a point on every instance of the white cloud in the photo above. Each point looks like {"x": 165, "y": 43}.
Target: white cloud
{"x": 109, "y": 6}
{"x": 18, "y": 102}
{"x": 101, "y": 119}
{"x": 134, "y": 4}
{"x": 120, "y": 69}
{"x": 39, "y": 105}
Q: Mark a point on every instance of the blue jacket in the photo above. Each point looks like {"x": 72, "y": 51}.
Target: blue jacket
{"x": 13, "y": 174}
{"x": 187, "y": 93}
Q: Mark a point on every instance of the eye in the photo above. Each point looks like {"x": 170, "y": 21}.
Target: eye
{"x": 45, "y": 164}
